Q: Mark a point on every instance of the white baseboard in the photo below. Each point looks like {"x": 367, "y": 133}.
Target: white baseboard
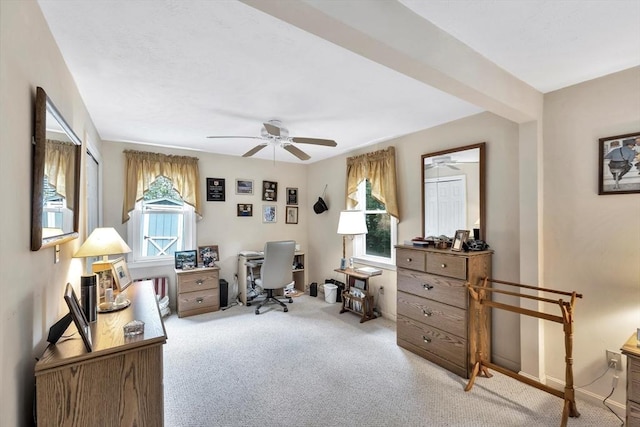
{"x": 596, "y": 399}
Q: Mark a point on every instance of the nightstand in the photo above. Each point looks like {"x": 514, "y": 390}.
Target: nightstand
{"x": 198, "y": 290}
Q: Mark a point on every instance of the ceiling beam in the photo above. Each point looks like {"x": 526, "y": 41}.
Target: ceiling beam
{"x": 392, "y": 35}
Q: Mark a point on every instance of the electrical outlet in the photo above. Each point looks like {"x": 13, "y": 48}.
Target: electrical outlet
{"x": 381, "y": 290}
{"x": 614, "y": 355}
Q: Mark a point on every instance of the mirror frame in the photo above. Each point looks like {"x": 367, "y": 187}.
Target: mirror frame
{"x": 481, "y": 178}
{"x": 42, "y": 106}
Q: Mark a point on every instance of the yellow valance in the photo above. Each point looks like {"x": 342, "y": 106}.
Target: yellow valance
{"x": 59, "y": 168}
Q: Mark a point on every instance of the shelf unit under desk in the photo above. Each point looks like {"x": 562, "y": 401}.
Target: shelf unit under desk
{"x": 299, "y": 276}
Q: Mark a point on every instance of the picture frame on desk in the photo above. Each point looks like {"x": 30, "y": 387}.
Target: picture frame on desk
{"x": 120, "y": 272}
{"x": 360, "y": 284}
{"x": 185, "y": 259}
{"x": 459, "y": 239}
{"x": 208, "y": 255}
{"x": 81, "y": 322}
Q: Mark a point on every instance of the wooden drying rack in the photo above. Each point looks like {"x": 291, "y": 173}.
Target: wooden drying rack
{"x": 478, "y": 293}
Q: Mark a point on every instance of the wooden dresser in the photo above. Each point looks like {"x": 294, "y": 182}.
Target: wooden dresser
{"x": 434, "y": 317}
{"x": 119, "y": 383}
{"x": 198, "y": 290}
{"x": 632, "y": 351}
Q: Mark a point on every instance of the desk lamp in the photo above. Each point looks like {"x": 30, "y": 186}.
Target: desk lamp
{"x": 351, "y": 223}
{"x": 102, "y": 242}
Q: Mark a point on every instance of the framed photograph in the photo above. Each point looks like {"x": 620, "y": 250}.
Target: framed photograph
{"x": 292, "y": 215}
{"x": 244, "y": 186}
{"x": 269, "y": 213}
{"x": 360, "y": 284}
{"x": 460, "y": 238}
{"x": 245, "y": 209}
{"x": 619, "y": 164}
{"x": 292, "y": 196}
{"x": 215, "y": 190}
{"x": 186, "y": 260}
{"x": 78, "y": 316}
{"x": 269, "y": 191}
{"x": 121, "y": 276}
{"x": 208, "y": 255}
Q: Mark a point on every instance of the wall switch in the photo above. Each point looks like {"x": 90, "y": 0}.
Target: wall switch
{"x": 381, "y": 290}
{"x": 614, "y": 356}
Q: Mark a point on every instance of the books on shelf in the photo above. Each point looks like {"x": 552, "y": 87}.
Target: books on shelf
{"x": 371, "y": 271}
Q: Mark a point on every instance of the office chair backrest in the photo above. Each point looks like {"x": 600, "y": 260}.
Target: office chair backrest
{"x": 276, "y": 271}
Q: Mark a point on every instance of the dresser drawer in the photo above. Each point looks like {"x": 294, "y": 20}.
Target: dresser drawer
{"x": 433, "y": 340}
{"x": 447, "y": 265}
{"x": 432, "y": 313}
{"x": 438, "y": 288}
{"x": 205, "y": 299}
{"x": 633, "y": 379}
{"x": 414, "y": 260}
{"x": 197, "y": 280}
{"x": 633, "y": 414}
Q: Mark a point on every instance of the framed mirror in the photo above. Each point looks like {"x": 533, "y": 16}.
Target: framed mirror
{"x": 56, "y": 177}
{"x": 453, "y": 191}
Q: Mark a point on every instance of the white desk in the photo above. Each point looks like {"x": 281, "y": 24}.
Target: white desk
{"x": 251, "y": 261}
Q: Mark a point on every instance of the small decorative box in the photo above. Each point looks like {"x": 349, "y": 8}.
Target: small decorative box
{"x": 135, "y": 327}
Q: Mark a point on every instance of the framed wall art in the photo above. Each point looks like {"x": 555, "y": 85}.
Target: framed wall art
{"x": 215, "y": 190}
{"x": 292, "y": 196}
{"x": 460, "y": 238}
{"x": 619, "y": 164}
{"x": 244, "y": 186}
{"x": 269, "y": 191}
{"x": 269, "y": 213}
{"x": 208, "y": 255}
{"x": 245, "y": 209}
{"x": 292, "y": 215}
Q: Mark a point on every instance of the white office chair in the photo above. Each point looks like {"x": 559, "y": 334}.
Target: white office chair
{"x": 276, "y": 271}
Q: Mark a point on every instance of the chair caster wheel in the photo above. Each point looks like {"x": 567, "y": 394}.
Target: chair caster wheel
{"x": 286, "y": 309}
{"x": 290, "y": 300}
{"x": 248, "y": 304}
{"x": 257, "y": 311}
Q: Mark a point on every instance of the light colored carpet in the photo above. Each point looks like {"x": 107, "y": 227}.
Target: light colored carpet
{"x": 315, "y": 367}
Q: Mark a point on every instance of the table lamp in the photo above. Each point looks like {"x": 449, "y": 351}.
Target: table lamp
{"x": 351, "y": 223}
{"x": 102, "y": 242}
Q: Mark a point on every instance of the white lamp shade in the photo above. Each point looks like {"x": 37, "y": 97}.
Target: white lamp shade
{"x": 102, "y": 242}
{"x": 352, "y": 222}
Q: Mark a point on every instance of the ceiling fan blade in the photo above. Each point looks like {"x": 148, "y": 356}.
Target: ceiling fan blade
{"x": 316, "y": 141}
{"x": 254, "y": 150}
{"x": 227, "y": 137}
{"x": 272, "y": 129}
{"x": 296, "y": 152}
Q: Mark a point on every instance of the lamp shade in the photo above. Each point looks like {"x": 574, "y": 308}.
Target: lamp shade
{"x": 352, "y": 222}
{"x": 102, "y": 242}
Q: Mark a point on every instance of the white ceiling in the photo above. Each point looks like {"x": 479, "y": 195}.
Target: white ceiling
{"x": 173, "y": 72}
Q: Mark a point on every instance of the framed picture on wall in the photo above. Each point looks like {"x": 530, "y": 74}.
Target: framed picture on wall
{"x": 619, "y": 164}
{"x": 292, "y": 196}
{"x": 245, "y": 209}
{"x": 269, "y": 213}
{"x": 244, "y": 186}
{"x": 269, "y": 191}
{"x": 215, "y": 190}
{"x": 292, "y": 215}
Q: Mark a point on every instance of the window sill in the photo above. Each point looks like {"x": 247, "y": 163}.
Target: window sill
{"x": 151, "y": 264}
{"x": 377, "y": 264}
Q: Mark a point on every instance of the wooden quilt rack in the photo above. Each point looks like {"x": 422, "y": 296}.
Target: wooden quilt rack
{"x": 479, "y": 295}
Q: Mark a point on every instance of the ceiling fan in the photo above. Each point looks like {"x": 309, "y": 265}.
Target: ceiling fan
{"x": 441, "y": 161}
{"x": 272, "y": 133}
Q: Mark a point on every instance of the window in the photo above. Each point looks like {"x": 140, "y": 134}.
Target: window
{"x": 161, "y": 224}
{"x": 377, "y": 245}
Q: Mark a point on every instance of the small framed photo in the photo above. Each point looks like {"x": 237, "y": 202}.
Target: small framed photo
{"x": 269, "y": 191}
{"x": 619, "y": 164}
{"x": 208, "y": 255}
{"x": 292, "y": 196}
{"x": 186, "y": 260}
{"x": 292, "y": 215}
{"x": 360, "y": 284}
{"x": 269, "y": 213}
{"x": 460, "y": 238}
{"x": 215, "y": 190}
{"x": 244, "y": 186}
{"x": 78, "y": 316}
{"x": 245, "y": 209}
{"x": 121, "y": 276}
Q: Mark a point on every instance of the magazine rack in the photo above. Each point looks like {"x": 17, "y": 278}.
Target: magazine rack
{"x": 356, "y": 298}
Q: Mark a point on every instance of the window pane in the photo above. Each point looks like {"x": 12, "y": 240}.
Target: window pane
{"x": 162, "y": 188}
{"x": 372, "y": 203}
{"x": 378, "y": 239}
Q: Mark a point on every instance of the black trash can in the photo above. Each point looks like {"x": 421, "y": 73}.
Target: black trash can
{"x": 341, "y": 287}
{"x": 313, "y": 289}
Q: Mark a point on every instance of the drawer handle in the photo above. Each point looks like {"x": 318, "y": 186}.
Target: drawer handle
{"x": 427, "y": 313}
{"x": 199, "y": 282}
{"x": 443, "y": 265}
{"x": 427, "y": 287}
{"x": 199, "y": 300}
{"x": 409, "y": 259}
{"x": 426, "y": 339}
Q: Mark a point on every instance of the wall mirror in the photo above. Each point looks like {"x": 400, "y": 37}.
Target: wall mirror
{"x": 56, "y": 177}
{"x": 453, "y": 191}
